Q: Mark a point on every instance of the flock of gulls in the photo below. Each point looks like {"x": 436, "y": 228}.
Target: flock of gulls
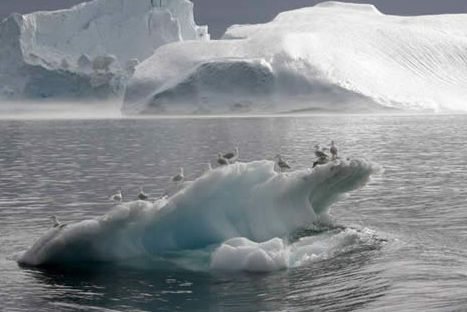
{"x": 224, "y": 160}
{"x": 230, "y": 158}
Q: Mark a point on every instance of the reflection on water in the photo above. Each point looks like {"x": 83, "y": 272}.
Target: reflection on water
{"x": 120, "y": 288}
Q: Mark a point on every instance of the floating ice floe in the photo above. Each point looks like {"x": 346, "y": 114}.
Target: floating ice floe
{"x": 248, "y": 202}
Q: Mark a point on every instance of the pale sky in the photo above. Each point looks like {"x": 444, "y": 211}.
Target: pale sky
{"x": 219, "y": 14}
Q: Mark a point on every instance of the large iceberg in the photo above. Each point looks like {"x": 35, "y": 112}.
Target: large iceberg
{"x": 87, "y": 52}
{"x": 333, "y": 56}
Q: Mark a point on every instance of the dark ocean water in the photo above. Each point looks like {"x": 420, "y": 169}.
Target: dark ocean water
{"x": 416, "y": 210}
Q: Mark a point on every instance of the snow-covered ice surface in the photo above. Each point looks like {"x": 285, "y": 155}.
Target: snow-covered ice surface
{"x": 333, "y": 56}
{"x": 87, "y": 52}
{"x": 238, "y": 217}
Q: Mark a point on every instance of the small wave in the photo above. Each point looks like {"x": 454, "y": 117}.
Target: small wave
{"x": 242, "y": 254}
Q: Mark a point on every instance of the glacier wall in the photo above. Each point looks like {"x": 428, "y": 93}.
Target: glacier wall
{"x": 247, "y": 200}
{"x": 89, "y": 50}
{"x": 333, "y": 56}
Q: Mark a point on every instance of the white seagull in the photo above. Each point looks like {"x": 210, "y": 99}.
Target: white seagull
{"x": 319, "y": 153}
{"x": 281, "y": 163}
{"x": 141, "y": 195}
{"x": 333, "y": 150}
{"x": 179, "y": 177}
{"x": 56, "y": 222}
{"x": 232, "y": 156}
{"x": 118, "y": 197}
{"x": 221, "y": 160}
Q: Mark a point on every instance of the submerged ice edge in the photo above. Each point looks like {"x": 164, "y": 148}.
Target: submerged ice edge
{"x": 247, "y": 200}
{"x": 242, "y": 254}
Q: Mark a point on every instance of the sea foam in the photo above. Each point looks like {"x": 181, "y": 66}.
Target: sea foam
{"x": 242, "y": 254}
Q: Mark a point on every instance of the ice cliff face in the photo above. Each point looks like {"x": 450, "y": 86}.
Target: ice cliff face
{"x": 87, "y": 51}
{"x": 333, "y": 56}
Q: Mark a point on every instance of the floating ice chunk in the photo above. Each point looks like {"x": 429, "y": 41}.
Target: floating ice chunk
{"x": 248, "y": 200}
{"x": 241, "y": 254}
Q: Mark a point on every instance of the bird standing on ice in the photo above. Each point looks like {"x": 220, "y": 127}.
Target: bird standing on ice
{"x": 221, "y": 160}
{"x": 232, "y": 156}
{"x": 319, "y": 153}
{"x": 179, "y": 177}
{"x": 322, "y": 156}
{"x": 280, "y": 163}
{"x": 118, "y": 197}
{"x": 56, "y": 222}
{"x": 333, "y": 150}
{"x": 141, "y": 195}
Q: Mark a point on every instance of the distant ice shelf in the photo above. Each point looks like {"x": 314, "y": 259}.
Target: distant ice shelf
{"x": 89, "y": 51}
